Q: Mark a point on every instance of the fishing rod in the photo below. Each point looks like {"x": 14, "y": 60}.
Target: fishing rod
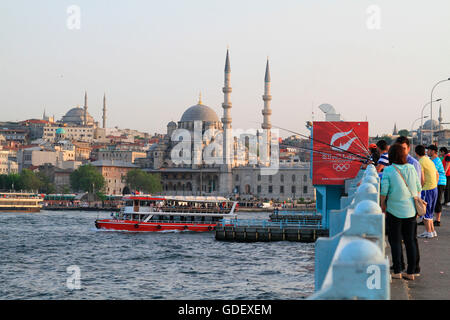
{"x": 300, "y": 134}
{"x": 332, "y": 155}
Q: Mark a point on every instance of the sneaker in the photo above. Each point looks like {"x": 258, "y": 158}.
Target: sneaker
{"x": 425, "y": 234}
{"x": 437, "y": 223}
{"x": 434, "y": 233}
{"x": 448, "y": 204}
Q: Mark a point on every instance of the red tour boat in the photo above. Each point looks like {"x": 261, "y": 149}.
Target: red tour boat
{"x": 144, "y": 213}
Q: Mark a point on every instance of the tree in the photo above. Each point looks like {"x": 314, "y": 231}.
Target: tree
{"x": 403, "y": 132}
{"x": 138, "y": 179}
{"x": 46, "y": 185}
{"x": 10, "y": 181}
{"x": 29, "y": 180}
{"x": 87, "y": 178}
{"x": 386, "y": 138}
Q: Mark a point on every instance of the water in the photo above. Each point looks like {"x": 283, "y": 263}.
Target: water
{"x": 37, "y": 248}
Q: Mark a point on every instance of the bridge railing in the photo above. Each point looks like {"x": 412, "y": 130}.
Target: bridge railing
{"x": 351, "y": 263}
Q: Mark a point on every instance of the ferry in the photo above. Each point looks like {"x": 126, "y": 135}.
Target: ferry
{"x": 20, "y": 202}
{"x": 147, "y": 213}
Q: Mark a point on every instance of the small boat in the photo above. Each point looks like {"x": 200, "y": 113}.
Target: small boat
{"x": 20, "y": 202}
{"x": 147, "y": 213}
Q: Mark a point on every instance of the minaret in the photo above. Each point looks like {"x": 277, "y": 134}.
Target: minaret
{"x": 440, "y": 116}
{"x": 226, "y": 120}
{"x": 85, "y": 108}
{"x": 395, "y": 132}
{"x": 44, "y": 116}
{"x": 104, "y": 110}
{"x": 267, "y": 112}
{"x": 226, "y": 178}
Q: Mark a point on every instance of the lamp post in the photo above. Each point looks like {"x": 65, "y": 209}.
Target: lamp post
{"x": 422, "y": 117}
{"x": 412, "y": 126}
{"x": 431, "y": 108}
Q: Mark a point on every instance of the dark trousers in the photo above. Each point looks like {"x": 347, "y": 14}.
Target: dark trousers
{"x": 447, "y": 191}
{"x": 405, "y": 229}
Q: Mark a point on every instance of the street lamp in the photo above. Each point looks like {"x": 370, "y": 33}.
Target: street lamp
{"x": 412, "y": 126}
{"x": 422, "y": 117}
{"x": 431, "y": 108}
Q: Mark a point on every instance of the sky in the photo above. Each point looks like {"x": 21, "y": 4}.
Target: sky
{"x": 374, "y": 60}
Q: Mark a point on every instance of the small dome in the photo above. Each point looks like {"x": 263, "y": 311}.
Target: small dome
{"x": 427, "y": 125}
{"x": 172, "y": 124}
{"x": 199, "y": 112}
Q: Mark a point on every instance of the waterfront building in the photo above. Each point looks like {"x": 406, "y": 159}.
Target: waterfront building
{"x": 114, "y": 173}
{"x": 7, "y": 165}
{"x": 121, "y": 155}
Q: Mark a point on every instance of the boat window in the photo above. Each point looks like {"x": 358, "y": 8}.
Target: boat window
{"x": 155, "y": 218}
{"x": 136, "y": 202}
{"x": 208, "y": 219}
{"x": 176, "y": 218}
{"x": 129, "y": 203}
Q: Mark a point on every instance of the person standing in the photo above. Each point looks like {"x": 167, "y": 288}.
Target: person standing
{"x": 374, "y": 154}
{"x": 398, "y": 185}
{"x": 429, "y": 190}
{"x": 446, "y": 164}
{"x": 383, "y": 161}
{"x": 404, "y": 142}
{"x": 442, "y": 182}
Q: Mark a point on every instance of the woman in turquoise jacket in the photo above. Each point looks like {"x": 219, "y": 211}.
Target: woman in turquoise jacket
{"x": 399, "y": 185}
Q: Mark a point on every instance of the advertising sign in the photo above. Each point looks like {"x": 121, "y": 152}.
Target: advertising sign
{"x": 336, "y": 146}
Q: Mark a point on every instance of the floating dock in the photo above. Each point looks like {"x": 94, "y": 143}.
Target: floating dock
{"x": 263, "y": 230}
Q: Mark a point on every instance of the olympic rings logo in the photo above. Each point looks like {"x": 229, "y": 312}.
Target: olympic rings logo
{"x": 341, "y": 167}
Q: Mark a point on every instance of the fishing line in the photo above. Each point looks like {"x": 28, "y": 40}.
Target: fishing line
{"x": 327, "y": 144}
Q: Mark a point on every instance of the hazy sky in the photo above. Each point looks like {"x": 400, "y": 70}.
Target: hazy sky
{"x": 153, "y": 57}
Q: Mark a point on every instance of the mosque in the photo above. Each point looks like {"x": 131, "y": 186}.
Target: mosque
{"x": 236, "y": 175}
{"x": 76, "y": 124}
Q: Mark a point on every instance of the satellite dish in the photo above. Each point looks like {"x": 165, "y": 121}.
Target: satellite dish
{"x": 327, "y": 108}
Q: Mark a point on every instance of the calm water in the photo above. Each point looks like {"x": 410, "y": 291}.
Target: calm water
{"x": 37, "y": 248}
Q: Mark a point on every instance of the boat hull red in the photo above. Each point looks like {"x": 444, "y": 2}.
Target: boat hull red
{"x": 136, "y": 226}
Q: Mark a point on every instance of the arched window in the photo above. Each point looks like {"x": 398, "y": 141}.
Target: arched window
{"x": 293, "y": 178}
{"x": 282, "y": 177}
{"x": 305, "y": 178}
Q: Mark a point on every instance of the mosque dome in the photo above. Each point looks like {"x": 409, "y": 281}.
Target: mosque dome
{"x": 172, "y": 124}
{"x": 199, "y": 112}
{"x": 60, "y": 131}
{"x": 427, "y": 125}
{"x": 76, "y": 115}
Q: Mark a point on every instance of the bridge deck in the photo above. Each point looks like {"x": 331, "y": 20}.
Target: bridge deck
{"x": 434, "y": 280}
